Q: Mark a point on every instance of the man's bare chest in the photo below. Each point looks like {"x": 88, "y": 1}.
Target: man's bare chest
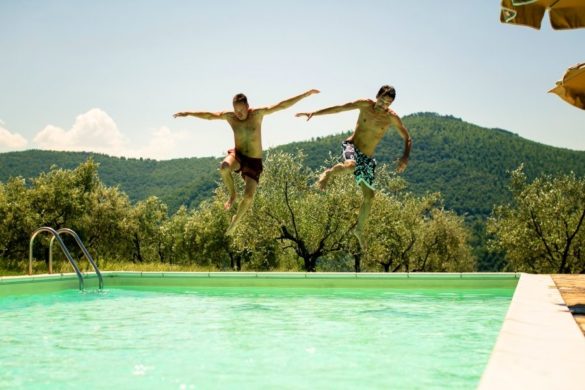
{"x": 375, "y": 122}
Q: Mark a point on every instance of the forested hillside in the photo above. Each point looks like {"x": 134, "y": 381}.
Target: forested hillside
{"x": 468, "y": 164}
{"x": 176, "y": 182}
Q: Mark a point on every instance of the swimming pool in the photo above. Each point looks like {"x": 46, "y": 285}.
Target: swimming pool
{"x": 251, "y": 330}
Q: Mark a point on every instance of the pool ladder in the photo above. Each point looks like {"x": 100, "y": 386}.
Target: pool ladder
{"x": 57, "y": 237}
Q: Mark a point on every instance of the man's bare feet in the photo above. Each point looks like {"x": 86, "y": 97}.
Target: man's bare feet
{"x": 360, "y": 237}
{"x": 228, "y": 205}
{"x": 323, "y": 180}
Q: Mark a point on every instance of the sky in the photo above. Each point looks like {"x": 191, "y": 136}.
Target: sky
{"x": 107, "y": 76}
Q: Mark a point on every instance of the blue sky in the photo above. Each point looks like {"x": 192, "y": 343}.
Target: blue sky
{"x": 108, "y": 75}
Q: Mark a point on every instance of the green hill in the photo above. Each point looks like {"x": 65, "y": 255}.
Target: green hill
{"x": 468, "y": 164}
{"x": 465, "y": 162}
{"x": 181, "y": 181}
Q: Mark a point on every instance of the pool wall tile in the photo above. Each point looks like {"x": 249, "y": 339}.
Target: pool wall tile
{"x": 426, "y": 275}
{"x": 490, "y": 275}
{"x": 152, "y": 274}
{"x": 132, "y": 279}
{"x": 281, "y": 275}
{"x": 125, "y": 274}
{"x": 236, "y": 275}
{"x": 33, "y": 284}
{"x": 330, "y": 275}
{"x": 381, "y": 275}
{"x": 186, "y": 275}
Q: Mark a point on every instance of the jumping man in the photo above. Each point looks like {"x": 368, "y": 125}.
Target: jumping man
{"x": 246, "y": 156}
{"x": 374, "y": 119}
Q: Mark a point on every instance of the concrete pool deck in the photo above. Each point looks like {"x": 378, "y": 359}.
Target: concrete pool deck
{"x": 572, "y": 288}
{"x": 540, "y": 346}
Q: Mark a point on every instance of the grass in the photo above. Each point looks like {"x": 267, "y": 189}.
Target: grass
{"x": 16, "y": 268}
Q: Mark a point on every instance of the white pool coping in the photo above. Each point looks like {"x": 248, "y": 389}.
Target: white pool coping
{"x": 540, "y": 345}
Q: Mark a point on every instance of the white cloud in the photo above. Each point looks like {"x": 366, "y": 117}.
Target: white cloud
{"x": 162, "y": 144}
{"x": 96, "y": 131}
{"x": 92, "y": 131}
{"x": 10, "y": 141}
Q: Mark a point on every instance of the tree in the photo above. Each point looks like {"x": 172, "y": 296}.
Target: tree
{"x": 288, "y": 209}
{"x": 542, "y": 229}
{"x": 415, "y": 234}
{"x": 394, "y": 230}
{"x": 18, "y": 220}
{"x": 206, "y": 242}
{"x": 102, "y": 225}
{"x": 444, "y": 244}
{"x": 143, "y": 225}
{"x": 60, "y": 197}
{"x": 173, "y": 233}
{"x": 74, "y": 199}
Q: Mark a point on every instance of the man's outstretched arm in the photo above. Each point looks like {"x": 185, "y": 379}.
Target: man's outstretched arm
{"x": 288, "y": 102}
{"x": 358, "y": 104}
{"x": 203, "y": 115}
{"x": 403, "y": 162}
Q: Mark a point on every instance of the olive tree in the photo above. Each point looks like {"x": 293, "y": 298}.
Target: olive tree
{"x": 542, "y": 229}
{"x": 288, "y": 209}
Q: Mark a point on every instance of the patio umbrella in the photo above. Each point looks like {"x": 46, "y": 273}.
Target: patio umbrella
{"x": 564, "y": 14}
{"x": 572, "y": 87}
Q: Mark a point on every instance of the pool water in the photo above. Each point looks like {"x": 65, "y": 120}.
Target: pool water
{"x": 249, "y": 337}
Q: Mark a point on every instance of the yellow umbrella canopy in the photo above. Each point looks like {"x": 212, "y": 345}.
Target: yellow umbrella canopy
{"x": 572, "y": 87}
{"x": 564, "y": 14}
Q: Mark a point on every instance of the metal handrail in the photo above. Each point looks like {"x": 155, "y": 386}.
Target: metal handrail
{"x": 83, "y": 249}
{"x": 63, "y": 248}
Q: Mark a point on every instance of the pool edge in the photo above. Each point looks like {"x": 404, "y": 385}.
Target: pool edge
{"x": 242, "y": 279}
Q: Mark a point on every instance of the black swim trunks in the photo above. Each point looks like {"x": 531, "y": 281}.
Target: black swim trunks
{"x": 365, "y": 166}
{"x": 249, "y": 166}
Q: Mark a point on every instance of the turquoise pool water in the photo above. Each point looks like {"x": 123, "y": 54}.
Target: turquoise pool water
{"x": 249, "y": 337}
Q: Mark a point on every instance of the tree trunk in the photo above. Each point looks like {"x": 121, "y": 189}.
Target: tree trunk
{"x": 562, "y": 267}
{"x": 46, "y": 256}
{"x": 161, "y": 254}
{"x": 310, "y": 264}
{"x": 137, "y": 248}
{"x": 357, "y": 262}
{"x": 232, "y": 263}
